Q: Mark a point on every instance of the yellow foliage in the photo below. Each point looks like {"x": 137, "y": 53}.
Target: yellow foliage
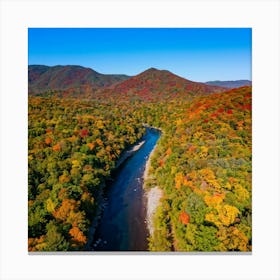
{"x": 223, "y": 216}
{"x": 232, "y": 239}
{"x": 209, "y": 176}
{"x": 243, "y": 194}
{"x": 203, "y": 152}
{"x": 173, "y": 170}
{"x": 214, "y": 200}
{"x": 50, "y": 205}
{"x": 179, "y": 180}
{"x": 73, "y": 138}
{"x": 99, "y": 124}
{"x": 36, "y": 244}
{"x": 228, "y": 186}
{"x": 197, "y": 135}
{"x": 227, "y": 214}
{"x": 75, "y": 164}
{"x": 75, "y": 218}
{"x": 87, "y": 197}
{"x": 179, "y": 122}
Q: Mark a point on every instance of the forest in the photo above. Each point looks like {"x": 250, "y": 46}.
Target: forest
{"x": 202, "y": 163}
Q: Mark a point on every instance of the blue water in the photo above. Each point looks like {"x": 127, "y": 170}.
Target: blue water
{"x": 123, "y": 225}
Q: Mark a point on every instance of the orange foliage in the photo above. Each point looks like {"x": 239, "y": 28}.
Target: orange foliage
{"x": 48, "y": 140}
{"x": 99, "y": 142}
{"x": 63, "y": 211}
{"x": 169, "y": 151}
{"x": 191, "y": 148}
{"x": 63, "y": 194}
{"x": 77, "y": 235}
{"x": 179, "y": 180}
{"x": 184, "y": 218}
{"x": 90, "y": 145}
{"x": 56, "y": 148}
{"x": 64, "y": 178}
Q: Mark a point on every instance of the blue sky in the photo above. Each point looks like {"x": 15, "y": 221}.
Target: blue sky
{"x": 198, "y": 54}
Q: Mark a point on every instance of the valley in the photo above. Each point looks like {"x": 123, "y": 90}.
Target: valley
{"x": 202, "y": 163}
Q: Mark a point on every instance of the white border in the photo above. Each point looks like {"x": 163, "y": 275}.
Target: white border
{"x": 262, "y": 16}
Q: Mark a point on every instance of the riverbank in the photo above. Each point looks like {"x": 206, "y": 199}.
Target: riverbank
{"x": 153, "y": 201}
{"x": 152, "y": 195}
{"x": 127, "y": 196}
{"x": 123, "y": 226}
{"x": 128, "y": 153}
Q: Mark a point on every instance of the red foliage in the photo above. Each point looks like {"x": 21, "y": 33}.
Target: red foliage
{"x": 184, "y": 218}
{"x": 229, "y": 112}
{"x": 84, "y": 133}
{"x": 214, "y": 115}
{"x": 161, "y": 163}
{"x": 247, "y": 107}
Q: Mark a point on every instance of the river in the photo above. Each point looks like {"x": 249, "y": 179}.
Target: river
{"x": 123, "y": 226}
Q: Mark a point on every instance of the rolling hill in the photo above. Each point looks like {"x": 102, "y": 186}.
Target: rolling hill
{"x": 43, "y": 78}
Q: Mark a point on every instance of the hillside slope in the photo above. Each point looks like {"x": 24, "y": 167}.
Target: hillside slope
{"x": 203, "y": 164}
{"x": 153, "y": 84}
{"x": 43, "y": 78}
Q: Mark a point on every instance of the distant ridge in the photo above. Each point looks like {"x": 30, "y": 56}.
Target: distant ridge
{"x": 230, "y": 84}
{"x": 43, "y": 78}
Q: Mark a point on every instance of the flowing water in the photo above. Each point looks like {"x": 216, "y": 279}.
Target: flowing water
{"x": 123, "y": 224}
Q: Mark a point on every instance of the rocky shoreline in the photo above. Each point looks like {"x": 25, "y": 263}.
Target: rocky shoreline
{"x": 152, "y": 195}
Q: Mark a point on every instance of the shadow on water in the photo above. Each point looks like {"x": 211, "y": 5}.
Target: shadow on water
{"x": 123, "y": 224}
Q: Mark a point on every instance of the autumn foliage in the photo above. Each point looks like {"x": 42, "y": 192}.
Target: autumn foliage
{"x": 202, "y": 163}
{"x": 184, "y": 218}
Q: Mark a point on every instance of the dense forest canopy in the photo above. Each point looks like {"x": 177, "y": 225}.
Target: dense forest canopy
{"x": 202, "y": 163}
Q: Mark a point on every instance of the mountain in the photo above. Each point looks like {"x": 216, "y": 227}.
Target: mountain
{"x": 78, "y": 81}
{"x": 230, "y": 84}
{"x": 154, "y": 83}
{"x": 43, "y": 78}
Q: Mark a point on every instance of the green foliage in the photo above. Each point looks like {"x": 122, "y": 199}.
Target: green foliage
{"x": 54, "y": 241}
{"x": 202, "y": 163}
{"x": 73, "y": 146}
{"x": 208, "y": 173}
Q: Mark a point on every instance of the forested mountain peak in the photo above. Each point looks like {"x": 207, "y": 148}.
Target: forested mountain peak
{"x": 78, "y": 81}
{"x": 153, "y": 83}
{"x": 43, "y": 78}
